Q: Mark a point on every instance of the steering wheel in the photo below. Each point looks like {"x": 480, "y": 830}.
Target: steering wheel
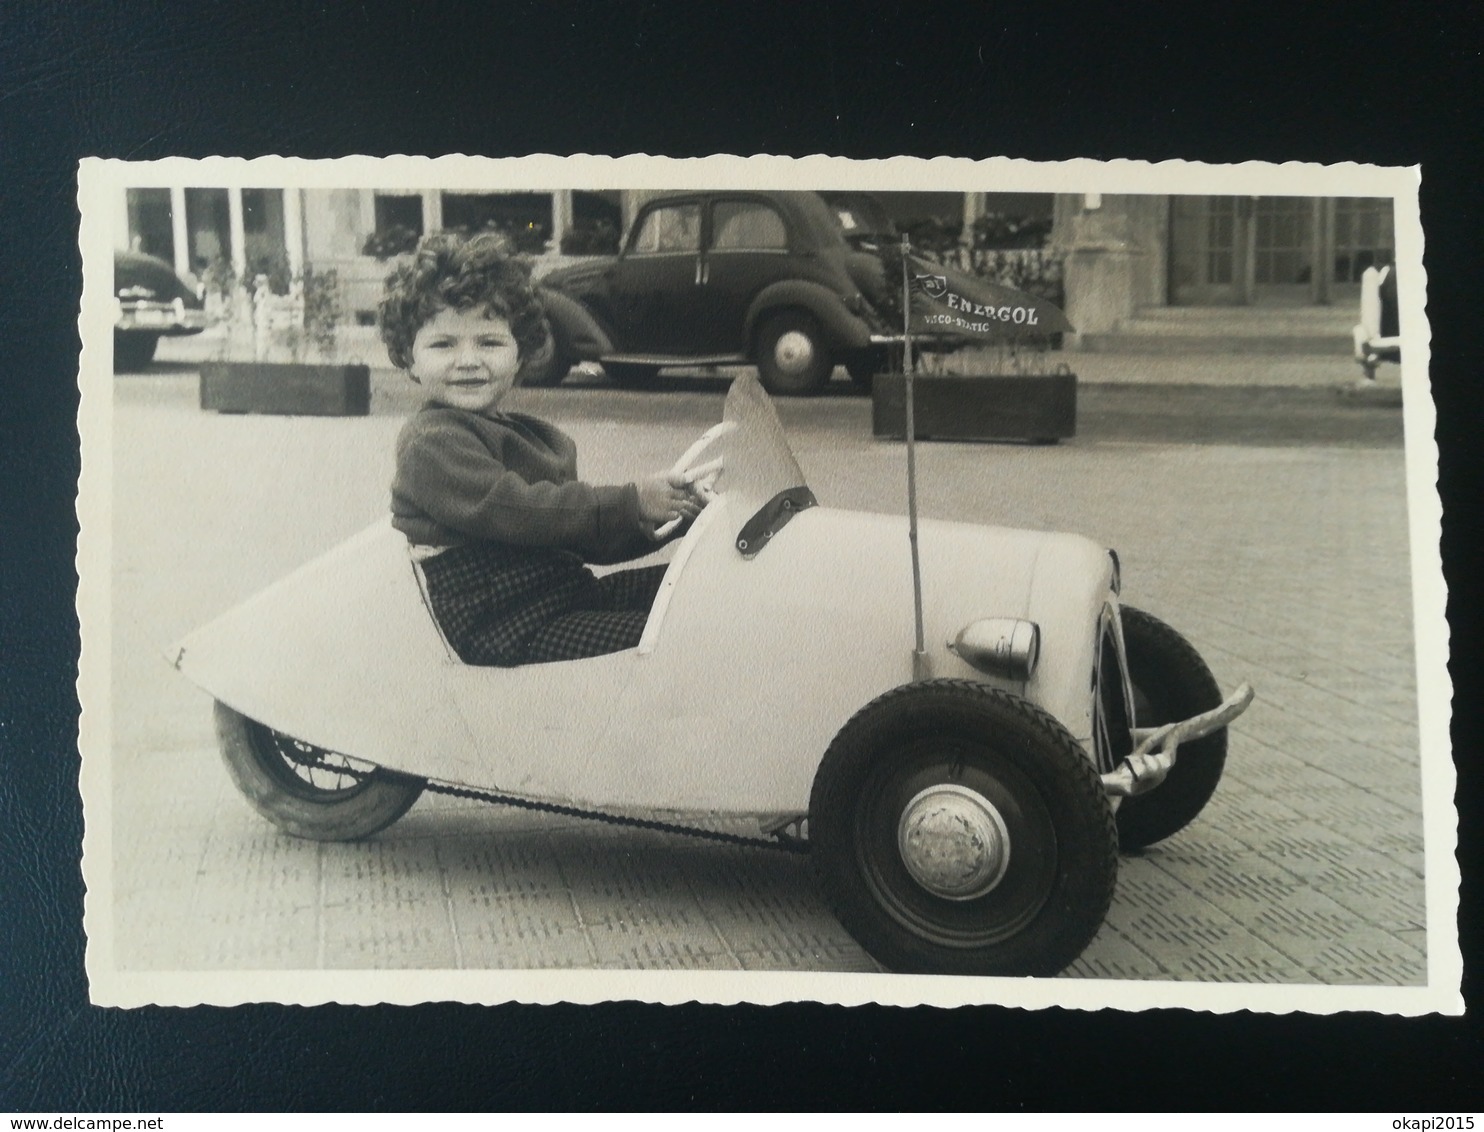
{"x": 700, "y": 477}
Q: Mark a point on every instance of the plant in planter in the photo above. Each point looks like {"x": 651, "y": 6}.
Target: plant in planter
{"x": 283, "y": 357}
{"x": 984, "y": 372}
{"x": 391, "y": 241}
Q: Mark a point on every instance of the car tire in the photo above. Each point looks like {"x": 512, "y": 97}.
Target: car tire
{"x": 1170, "y": 682}
{"x": 133, "y": 351}
{"x": 791, "y": 354}
{"x": 631, "y": 375}
{"x": 1037, "y": 857}
{"x": 276, "y": 774}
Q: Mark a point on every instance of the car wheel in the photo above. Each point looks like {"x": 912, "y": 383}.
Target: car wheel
{"x": 133, "y": 351}
{"x": 305, "y": 790}
{"x": 959, "y": 829}
{"x": 631, "y": 375}
{"x": 1170, "y": 682}
{"x": 792, "y": 356}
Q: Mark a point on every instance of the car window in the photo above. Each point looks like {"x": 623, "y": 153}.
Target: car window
{"x": 847, "y": 218}
{"x": 672, "y": 228}
{"x": 747, "y": 226}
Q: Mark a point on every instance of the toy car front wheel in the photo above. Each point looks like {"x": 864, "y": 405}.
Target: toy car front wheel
{"x": 792, "y": 355}
{"x": 306, "y": 790}
{"x": 1170, "y": 682}
{"x": 958, "y": 829}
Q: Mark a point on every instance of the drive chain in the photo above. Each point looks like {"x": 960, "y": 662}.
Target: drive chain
{"x": 307, "y": 755}
{"x": 783, "y": 843}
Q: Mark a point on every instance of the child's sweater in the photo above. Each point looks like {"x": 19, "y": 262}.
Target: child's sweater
{"x": 508, "y": 478}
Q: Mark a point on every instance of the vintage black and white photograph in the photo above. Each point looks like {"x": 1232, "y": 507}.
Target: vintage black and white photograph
{"x": 762, "y": 579}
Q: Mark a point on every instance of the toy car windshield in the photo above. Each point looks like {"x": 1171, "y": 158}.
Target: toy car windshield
{"x": 757, "y": 464}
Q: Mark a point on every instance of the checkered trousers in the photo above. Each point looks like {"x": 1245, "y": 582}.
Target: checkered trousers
{"x": 504, "y": 605}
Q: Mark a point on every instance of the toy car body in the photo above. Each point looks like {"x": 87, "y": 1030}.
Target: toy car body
{"x": 718, "y": 278}
{"x": 150, "y": 302}
{"x": 960, "y": 805}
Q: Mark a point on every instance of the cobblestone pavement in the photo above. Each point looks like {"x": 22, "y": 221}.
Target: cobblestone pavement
{"x": 1286, "y": 566}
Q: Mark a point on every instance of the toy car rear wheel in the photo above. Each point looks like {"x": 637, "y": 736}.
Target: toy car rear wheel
{"x": 793, "y": 358}
{"x": 306, "y": 790}
{"x": 133, "y": 350}
{"x": 1170, "y": 682}
{"x": 959, "y": 829}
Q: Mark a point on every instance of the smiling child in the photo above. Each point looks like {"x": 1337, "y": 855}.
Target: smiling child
{"x": 490, "y": 500}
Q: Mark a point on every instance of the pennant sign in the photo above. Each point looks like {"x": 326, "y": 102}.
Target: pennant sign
{"x": 951, "y": 303}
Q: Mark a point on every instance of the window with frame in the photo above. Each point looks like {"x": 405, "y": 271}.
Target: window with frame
{"x": 669, "y": 229}
{"x": 738, "y": 226}
{"x": 398, "y": 211}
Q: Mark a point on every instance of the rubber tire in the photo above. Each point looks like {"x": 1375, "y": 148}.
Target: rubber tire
{"x": 631, "y": 375}
{"x": 1171, "y": 682}
{"x": 133, "y": 351}
{"x": 268, "y": 786}
{"x": 782, "y": 383}
{"x": 1053, "y": 898}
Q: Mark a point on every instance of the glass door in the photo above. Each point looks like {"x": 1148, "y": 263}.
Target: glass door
{"x": 1281, "y": 237}
{"x": 1206, "y": 264}
{"x": 1257, "y": 251}
{"x": 1275, "y": 251}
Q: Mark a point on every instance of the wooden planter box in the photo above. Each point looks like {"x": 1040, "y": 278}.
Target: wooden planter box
{"x": 292, "y": 389}
{"x": 1035, "y": 407}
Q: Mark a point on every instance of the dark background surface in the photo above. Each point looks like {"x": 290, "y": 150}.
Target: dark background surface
{"x": 1206, "y": 82}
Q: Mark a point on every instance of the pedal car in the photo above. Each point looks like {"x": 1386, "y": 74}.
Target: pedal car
{"x": 963, "y": 806}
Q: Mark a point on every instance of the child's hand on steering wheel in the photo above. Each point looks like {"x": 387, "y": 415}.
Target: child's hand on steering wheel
{"x": 666, "y": 497}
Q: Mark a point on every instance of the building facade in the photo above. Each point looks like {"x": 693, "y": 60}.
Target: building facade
{"x": 1125, "y": 257}
{"x": 1130, "y": 257}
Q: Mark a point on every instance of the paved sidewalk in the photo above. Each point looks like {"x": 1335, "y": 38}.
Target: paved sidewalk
{"x": 1336, "y": 369}
{"x": 1285, "y": 566}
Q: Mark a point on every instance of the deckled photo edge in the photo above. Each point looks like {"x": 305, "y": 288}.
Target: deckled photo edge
{"x": 98, "y": 178}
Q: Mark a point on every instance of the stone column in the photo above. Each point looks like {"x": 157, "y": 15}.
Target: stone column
{"x": 432, "y": 211}
{"x": 561, "y": 218}
{"x": 238, "y": 235}
{"x": 179, "y": 233}
{"x": 293, "y": 230}
{"x": 1104, "y": 261}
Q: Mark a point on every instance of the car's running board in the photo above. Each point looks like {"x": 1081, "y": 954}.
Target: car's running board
{"x": 675, "y": 360}
{"x": 1152, "y": 759}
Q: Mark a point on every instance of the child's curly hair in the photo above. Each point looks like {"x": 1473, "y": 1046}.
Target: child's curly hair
{"x": 450, "y": 271}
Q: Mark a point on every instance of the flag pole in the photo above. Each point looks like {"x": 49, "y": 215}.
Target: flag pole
{"x": 919, "y": 653}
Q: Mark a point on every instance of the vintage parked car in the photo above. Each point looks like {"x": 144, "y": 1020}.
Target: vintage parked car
{"x": 963, "y": 805}
{"x": 149, "y": 301}
{"x": 718, "y": 278}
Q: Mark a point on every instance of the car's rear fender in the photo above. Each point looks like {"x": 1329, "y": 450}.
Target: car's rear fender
{"x": 575, "y": 325}
{"x": 846, "y": 331}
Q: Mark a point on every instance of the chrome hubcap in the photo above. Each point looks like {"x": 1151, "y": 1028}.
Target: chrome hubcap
{"x": 953, "y": 842}
{"x": 794, "y": 351}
